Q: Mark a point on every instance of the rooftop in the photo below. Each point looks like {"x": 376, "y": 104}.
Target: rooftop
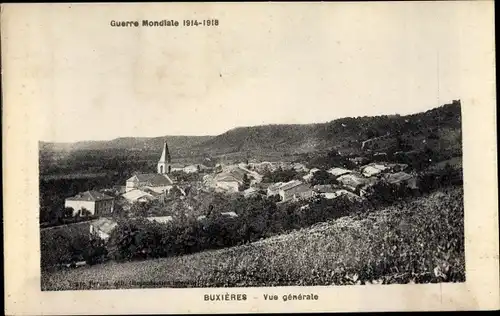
{"x": 104, "y": 225}
{"x": 291, "y": 184}
{"x": 230, "y": 214}
{"x": 338, "y": 171}
{"x": 152, "y": 179}
{"x": 160, "y": 219}
{"x": 136, "y": 194}
{"x": 398, "y": 177}
{"x": 90, "y": 196}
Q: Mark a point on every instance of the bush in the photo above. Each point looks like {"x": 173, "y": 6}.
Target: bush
{"x": 383, "y": 193}
{"x": 64, "y": 244}
{"x": 329, "y": 160}
{"x": 258, "y": 217}
{"x": 96, "y": 251}
{"x": 433, "y": 179}
{"x": 418, "y": 241}
{"x": 323, "y": 177}
{"x": 280, "y": 175}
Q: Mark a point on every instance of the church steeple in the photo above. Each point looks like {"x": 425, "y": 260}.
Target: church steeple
{"x": 165, "y": 160}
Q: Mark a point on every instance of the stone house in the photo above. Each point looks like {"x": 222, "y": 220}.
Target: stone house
{"x": 94, "y": 202}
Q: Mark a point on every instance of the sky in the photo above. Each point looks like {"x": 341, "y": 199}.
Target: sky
{"x": 263, "y": 64}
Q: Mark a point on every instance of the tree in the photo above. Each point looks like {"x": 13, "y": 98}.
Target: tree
{"x": 323, "y": 177}
{"x": 57, "y": 215}
{"x": 96, "y": 251}
{"x": 68, "y": 212}
{"x": 85, "y": 212}
{"x": 280, "y": 175}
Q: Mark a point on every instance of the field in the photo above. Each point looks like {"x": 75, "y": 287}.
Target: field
{"x": 412, "y": 242}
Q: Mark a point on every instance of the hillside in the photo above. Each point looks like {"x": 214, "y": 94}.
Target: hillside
{"x": 419, "y": 241}
{"x": 177, "y": 143}
{"x": 441, "y": 125}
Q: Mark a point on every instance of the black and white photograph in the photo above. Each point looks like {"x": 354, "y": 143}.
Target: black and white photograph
{"x": 302, "y": 148}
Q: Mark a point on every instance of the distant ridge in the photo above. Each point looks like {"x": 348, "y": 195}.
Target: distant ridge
{"x": 130, "y": 143}
{"x": 345, "y": 134}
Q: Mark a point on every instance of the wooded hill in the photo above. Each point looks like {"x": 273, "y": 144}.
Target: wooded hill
{"x": 438, "y": 128}
{"x": 346, "y": 134}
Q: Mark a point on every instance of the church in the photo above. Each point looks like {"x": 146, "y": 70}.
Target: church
{"x": 158, "y": 182}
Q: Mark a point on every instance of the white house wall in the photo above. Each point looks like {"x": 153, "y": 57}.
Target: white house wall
{"x": 130, "y": 185}
{"x": 78, "y": 205}
{"x": 229, "y": 186}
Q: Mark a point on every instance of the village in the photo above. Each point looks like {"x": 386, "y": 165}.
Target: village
{"x": 246, "y": 179}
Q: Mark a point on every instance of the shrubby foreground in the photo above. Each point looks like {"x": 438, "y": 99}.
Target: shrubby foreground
{"x": 417, "y": 241}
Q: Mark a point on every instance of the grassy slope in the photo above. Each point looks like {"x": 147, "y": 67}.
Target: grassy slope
{"x": 403, "y": 243}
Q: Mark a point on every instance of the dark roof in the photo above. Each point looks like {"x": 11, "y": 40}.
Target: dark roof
{"x": 177, "y": 165}
{"x": 152, "y": 179}
{"x": 90, "y": 196}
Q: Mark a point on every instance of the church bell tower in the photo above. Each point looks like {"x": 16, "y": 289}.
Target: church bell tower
{"x": 164, "y": 164}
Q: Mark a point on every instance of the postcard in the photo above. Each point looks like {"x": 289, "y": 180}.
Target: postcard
{"x": 249, "y": 157}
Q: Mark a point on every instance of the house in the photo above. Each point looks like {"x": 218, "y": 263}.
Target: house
{"x": 294, "y": 189}
{"x": 137, "y": 195}
{"x": 299, "y": 167}
{"x": 337, "y": 172}
{"x": 370, "y": 171}
{"x": 229, "y": 214}
{"x": 156, "y": 191}
{"x": 262, "y": 167}
{"x": 402, "y": 178}
{"x": 335, "y": 194}
{"x": 253, "y": 175}
{"x": 228, "y": 181}
{"x": 250, "y": 192}
{"x": 156, "y": 180}
{"x": 273, "y": 189}
{"x": 231, "y": 179}
{"x": 95, "y": 202}
{"x": 177, "y": 167}
{"x": 102, "y": 227}
{"x": 202, "y": 167}
{"x": 354, "y": 181}
{"x": 119, "y": 189}
{"x": 397, "y": 167}
{"x": 314, "y": 170}
{"x": 150, "y": 180}
{"x": 374, "y": 169}
{"x": 191, "y": 169}
{"x": 310, "y": 175}
{"x": 160, "y": 219}
{"x": 302, "y": 192}
{"x": 325, "y": 188}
